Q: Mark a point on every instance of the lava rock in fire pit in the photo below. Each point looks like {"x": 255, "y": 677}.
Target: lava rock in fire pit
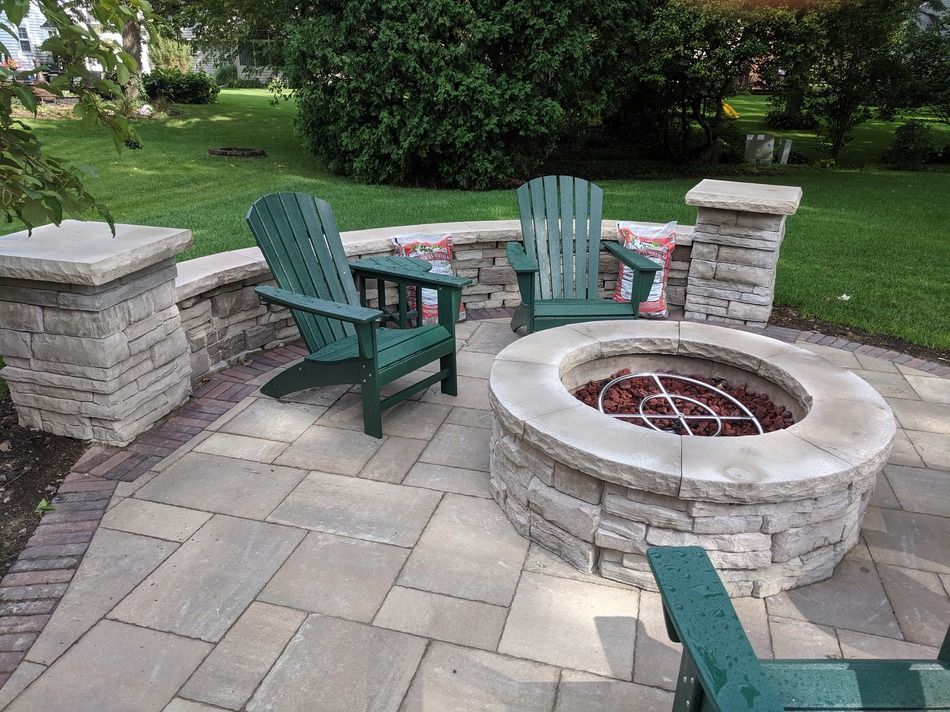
{"x": 642, "y": 396}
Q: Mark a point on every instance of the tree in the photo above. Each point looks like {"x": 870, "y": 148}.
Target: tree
{"x": 856, "y": 43}
{"x": 455, "y": 93}
{"x": 926, "y": 49}
{"x": 678, "y": 61}
{"x": 36, "y": 187}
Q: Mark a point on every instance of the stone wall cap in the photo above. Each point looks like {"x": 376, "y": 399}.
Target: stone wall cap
{"x": 80, "y": 252}
{"x": 748, "y": 197}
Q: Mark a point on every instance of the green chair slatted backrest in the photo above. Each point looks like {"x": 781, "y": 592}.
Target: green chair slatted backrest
{"x": 299, "y": 238}
{"x": 560, "y": 222}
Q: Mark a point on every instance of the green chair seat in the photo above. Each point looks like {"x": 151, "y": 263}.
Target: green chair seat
{"x": 392, "y": 345}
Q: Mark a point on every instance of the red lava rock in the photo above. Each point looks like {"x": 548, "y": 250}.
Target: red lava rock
{"x": 627, "y": 396}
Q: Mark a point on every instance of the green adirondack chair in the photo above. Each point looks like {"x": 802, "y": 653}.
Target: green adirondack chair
{"x": 719, "y": 670}
{"x": 299, "y": 238}
{"x": 558, "y": 263}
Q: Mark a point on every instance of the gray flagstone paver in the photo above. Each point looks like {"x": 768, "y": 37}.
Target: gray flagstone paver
{"x": 920, "y": 603}
{"x": 226, "y": 485}
{"x": 393, "y": 460}
{"x": 333, "y": 665}
{"x": 459, "y": 446}
{"x": 230, "y": 674}
{"x": 801, "y": 639}
{"x": 453, "y": 679}
{"x": 933, "y": 448}
{"x": 583, "y": 692}
{"x": 908, "y": 539}
{"x": 433, "y": 615}
{"x": 115, "y": 563}
{"x": 448, "y": 479}
{"x": 920, "y": 490}
{"x": 205, "y": 586}
{"x": 243, "y": 447}
{"x": 469, "y": 550}
{"x": 573, "y": 624}
{"x": 363, "y": 509}
{"x": 161, "y": 521}
{"x": 338, "y": 576}
{"x": 115, "y": 668}
{"x": 273, "y": 420}
{"x": 343, "y": 452}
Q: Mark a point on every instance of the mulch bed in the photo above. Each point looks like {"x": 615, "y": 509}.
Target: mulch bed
{"x": 32, "y": 466}
{"x": 627, "y": 396}
{"x": 790, "y": 317}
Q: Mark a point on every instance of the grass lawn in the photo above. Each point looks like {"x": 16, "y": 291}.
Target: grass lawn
{"x": 878, "y": 236}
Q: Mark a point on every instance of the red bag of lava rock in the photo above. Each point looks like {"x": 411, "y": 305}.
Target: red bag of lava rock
{"x": 437, "y": 250}
{"x": 656, "y": 243}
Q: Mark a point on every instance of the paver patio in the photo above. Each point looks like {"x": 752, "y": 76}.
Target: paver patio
{"x": 282, "y": 560}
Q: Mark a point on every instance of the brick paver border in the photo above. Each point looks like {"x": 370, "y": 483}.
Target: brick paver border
{"x": 35, "y": 583}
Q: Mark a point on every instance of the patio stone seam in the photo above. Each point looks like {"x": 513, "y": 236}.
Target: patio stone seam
{"x": 887, "y": 596}
{"x": 511, "y": 603}
{"x": 796, "y": 621}
{"x": 264, "y": 676}
{"x": 412, "y": 680}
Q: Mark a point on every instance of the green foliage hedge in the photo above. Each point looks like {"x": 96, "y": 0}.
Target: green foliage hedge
{"x": 180, "y": 87}
{"x": 440, "y": 92}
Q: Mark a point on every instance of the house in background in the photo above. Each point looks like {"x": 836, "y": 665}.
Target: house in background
{"x": 245, "y": 60}
{"x": 34, "y": 30}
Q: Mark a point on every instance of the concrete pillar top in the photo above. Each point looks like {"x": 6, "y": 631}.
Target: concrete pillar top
{"x": 80, "y": 252}
{"x": 747, "y": 197}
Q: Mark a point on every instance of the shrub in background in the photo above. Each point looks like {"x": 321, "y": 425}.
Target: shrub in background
{"x": 180, "y": 87}
{"x": 913, "y": 146}
{"x": 225, "y": 75}
{"x": 169, "y": 53}
{"x": 461, "y": 93}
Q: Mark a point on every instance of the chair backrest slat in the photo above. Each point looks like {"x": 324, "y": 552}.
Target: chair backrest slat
{"x": 561, "y": 226}
{"x": 299, "y": 239}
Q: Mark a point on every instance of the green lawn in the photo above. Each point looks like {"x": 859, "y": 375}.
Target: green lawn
{"x": 870, "y": 138}
{"x": 878, "y": 236}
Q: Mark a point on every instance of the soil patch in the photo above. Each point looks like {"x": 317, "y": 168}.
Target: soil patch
{"x": 32, "y": 465}
{"x": 698, "y": 404}
{"x": 790, "y": 317}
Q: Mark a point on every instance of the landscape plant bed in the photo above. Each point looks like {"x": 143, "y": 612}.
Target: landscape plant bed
{"x": 237, "y": 152}
{"x": 690, "y": 395}
{"x": 32, "y": 466}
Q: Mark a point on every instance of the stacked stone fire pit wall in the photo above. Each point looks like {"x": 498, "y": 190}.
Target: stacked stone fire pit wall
{"x": 774, "y": 511}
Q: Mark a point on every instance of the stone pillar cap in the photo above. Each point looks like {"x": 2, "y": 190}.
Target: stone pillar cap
{"x": 748, "y": 197}
{"x": 80, "y": 252}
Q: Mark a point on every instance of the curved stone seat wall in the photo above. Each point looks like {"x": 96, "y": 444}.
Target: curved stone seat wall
{"x": 223, "y": 317}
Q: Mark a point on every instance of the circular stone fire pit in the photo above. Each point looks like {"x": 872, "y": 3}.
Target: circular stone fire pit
{"x": 774, "y": 511}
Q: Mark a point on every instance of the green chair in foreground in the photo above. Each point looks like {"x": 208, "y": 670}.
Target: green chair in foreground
{"x": 719, "y": 670}
{"x": 558, "y": 262}
{"x": 299, "y": 238}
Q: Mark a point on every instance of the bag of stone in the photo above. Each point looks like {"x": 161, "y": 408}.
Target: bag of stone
{"x": 656, "y": 243}
{"x": 436, "y": 250}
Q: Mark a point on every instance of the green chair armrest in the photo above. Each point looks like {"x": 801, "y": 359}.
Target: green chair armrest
{"x": 320, "y": 307}
{"x": 631, "y": 258}
{"x": 518, "y": 258}
{"x": 403, "y": 276}
{"x": 699, "y": 614}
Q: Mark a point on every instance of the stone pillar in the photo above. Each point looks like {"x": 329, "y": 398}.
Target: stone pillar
{"x": 89, "y": 328}
{"x": 736, "y": 243}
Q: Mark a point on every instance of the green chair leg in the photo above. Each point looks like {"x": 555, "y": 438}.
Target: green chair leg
{"x": 519, "y": 318}
{"x": 298, "y": 377}
{"x": 372, "y": 408}
{"x": 450, "y": 384}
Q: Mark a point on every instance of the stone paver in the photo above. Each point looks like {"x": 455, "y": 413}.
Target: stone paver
{"x": 920, "y": 603}
{"x": 469, "y": 550}
{"x": 800, "y": 639}
{"x": 907, "y": 539}
{"x": 115, "y": 563}
{"x": 933, "y": 448}
{"x": 583, "y": 692}
{"x": 115, "y": 668}
{"x": 205, "y": 586}
{"x": 400, "y": 593}
{"x": 920, "y": 490}
{"x": 222, "y": 484}
{"x": 433, "y": 615}
{"x": 459, "y": 446}
{"x": 230, "y": 674}
{"x": 153, "y": 519}
{"x": 448, "y": 479}
{"x": 335, "y": 665}
{"x": 376, "y": 511}
{"x": 572, "y": 624}
{"x": 240, "y": 446}
{"x": 337, "y": 576}
{"x": 854, "y": 598}
{"x": 273, "y": 420}
{"x": 342, "y": 452}
{"x": 453, "y": 679}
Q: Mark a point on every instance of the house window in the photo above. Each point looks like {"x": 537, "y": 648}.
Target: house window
{"x": 24, "y": 40}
